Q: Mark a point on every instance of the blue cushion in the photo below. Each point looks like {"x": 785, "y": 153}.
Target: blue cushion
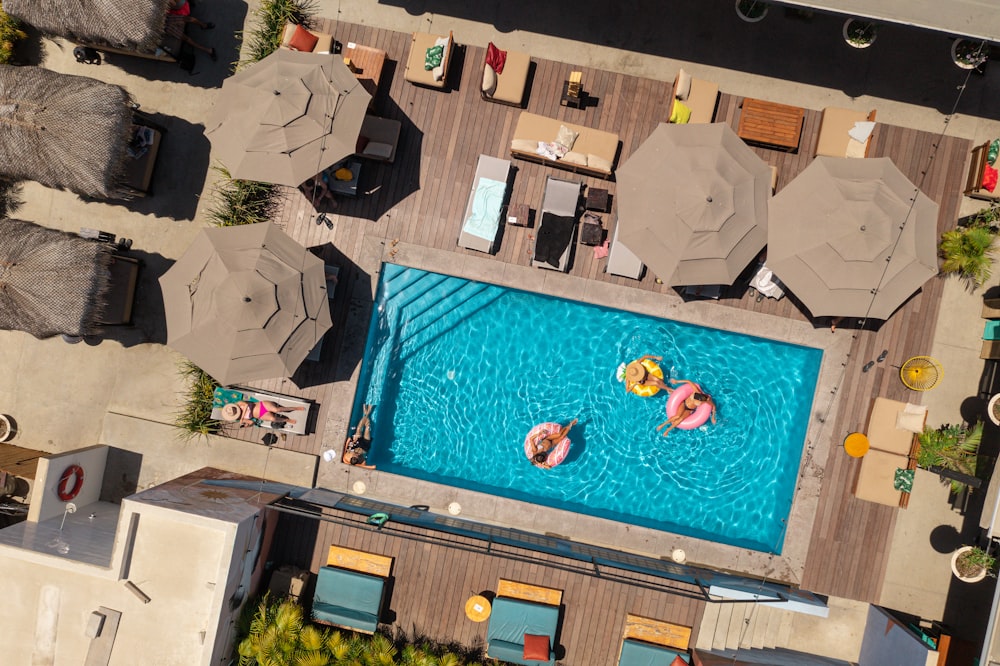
{"x": 345, "y": 617}
{"x": 640, "y": 653}
{"x": 354, "y": 595}
{"x": 992, "y": 330}
{"x": 510, "y": 620}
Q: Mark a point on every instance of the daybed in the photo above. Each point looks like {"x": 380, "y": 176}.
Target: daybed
{"x": 560, "y": 205}
{"x": 298, "y": 38}
{"x": 524, "y": 619}
{"x": 834, "y": 140}
{"x": 225, "y": 396}
{"x": 378, "y": 139}
{"x": 649, "y": 642}
{"x": 698, "y": 95}
{"x": 121, "y": 291}
{"x": 892, "y": 437}
{"x": 350, "y": 589}
{"x": 621, "y": 260}
{"x": 416, "y": 71}
{"x": 975, "y": 186}
{"x": 482, "y": 214}
{"x": 509, "y": 85}
{"x": 593, "y": 151}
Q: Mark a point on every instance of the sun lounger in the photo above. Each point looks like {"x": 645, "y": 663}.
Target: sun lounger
{"x": 519, "y": 611}
{"x": 554, "y": 240}
{"x": 436, "y": 77}
{"x": 767, "y": 283}
{"x": 834, "y": 139}
{"x": 324, "y": 41}
{"x": 482, "y": 214}
{"x": 892, "y": 438}
{"x": 225, "y": 396}
{"x": 649, "y": 642}
{"x": 621, "y": 260}
{"x": 350, "y": 589}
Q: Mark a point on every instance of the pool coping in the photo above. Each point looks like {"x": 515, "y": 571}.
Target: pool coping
{"x": 787, "y": 567}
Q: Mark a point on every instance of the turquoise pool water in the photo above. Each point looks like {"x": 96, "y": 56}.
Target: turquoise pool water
{"x": 459, "y": 372}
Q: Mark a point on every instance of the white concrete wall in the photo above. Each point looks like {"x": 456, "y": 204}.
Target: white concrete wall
{"x": 45, "y": 502}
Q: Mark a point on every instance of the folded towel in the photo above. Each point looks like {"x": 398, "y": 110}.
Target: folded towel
{"x": 554, "y": 235}
{"x": 601, "y": 251}
{"x": 861, "y": 130}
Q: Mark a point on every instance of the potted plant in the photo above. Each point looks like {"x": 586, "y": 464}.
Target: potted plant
{"x": 859, "y": 33}
{"x": 993, "y": 409}
{"x": 971, "y": 564}
{"x": 951, "y": 447}
{"x": 751, "y": 11}
{"x": 969, "y": 53}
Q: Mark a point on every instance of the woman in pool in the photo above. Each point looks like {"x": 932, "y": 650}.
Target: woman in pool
{"x": 356, "y": 447}
{"x": 265, "y": 410}
{"x": 687, "y": 408}
{"x": 637, "y": 374}
{"x": 542, "y": 446}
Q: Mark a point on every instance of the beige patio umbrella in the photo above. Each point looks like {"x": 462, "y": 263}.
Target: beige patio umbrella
{"x": 836, "y": 241}
{"x": 246, "y": 302}
{"x": 692, "y": 204}
{"x": 287, "y": 117}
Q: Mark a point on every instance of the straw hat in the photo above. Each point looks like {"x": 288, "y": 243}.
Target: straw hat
{"x": 231, "y": 412}
{"x": 635, "y": 371}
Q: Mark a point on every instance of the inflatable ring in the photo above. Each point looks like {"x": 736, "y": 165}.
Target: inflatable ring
{"x": 697, "y": 418}
{"x": 66, "y": 492}
{"x": 557, "y": 454}
{"x": 645, "y": 390}
{"x": 378, "y": 519}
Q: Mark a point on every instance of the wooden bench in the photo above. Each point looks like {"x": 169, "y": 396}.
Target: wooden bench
{"x": 657, "y": 632}
{"x": 357, "y": 560}
{"x": 771, "y": 124}
{"x": 526, "y": 592}
{"x": 974, "y": 181}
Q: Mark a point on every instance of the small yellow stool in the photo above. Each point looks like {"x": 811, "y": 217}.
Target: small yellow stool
{"x": 856, "y": 444}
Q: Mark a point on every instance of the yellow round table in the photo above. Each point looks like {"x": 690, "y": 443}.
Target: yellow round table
{"x": 477, "y": 608}
{"x": 856, "y": 444}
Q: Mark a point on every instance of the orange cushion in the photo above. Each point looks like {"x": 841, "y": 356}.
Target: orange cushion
{"x": 678, "y": 662}
{"x": 303, "y": 40}
{"x": 536, "y": 648}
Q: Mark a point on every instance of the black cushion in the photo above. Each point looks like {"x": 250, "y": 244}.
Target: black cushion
{"x": 554, "y": 235}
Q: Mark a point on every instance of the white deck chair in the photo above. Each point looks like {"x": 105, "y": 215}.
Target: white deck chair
{"x": 482, "y": 214}
{"x": 621, "y": 260}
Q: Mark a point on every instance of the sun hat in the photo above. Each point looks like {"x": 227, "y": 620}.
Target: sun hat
{"x": 231, "y": 412}
{"x": 635, "y": 371}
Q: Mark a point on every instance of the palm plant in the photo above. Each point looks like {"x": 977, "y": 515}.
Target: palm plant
{"x": 951, "y": 447}
{"x": 968, "y": 252}
{"x": 278, "y": 636}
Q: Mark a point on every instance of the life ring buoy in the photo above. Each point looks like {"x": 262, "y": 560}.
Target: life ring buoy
{"x": 67, "y": 492}
{"x": 557, "y": 454}
{"x": 642, "y": 390}
{"x": 698, "y": 417}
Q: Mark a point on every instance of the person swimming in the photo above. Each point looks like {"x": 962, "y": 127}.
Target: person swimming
{"x": 357, "y": 446}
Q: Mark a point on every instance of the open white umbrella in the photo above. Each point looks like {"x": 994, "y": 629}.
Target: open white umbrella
{"x": 287, "y": 117}
{"x": 852, "y": 237}
{"x": 246, "y": 302}
{"x": 692, "y": 204}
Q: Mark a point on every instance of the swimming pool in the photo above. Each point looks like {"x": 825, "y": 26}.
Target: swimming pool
{"x": 460, "y": 370}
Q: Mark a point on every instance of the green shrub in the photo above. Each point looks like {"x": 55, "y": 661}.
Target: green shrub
{"x": 242, "y": 201}
{"x": 10, "y": 35}
{"x": 195, "y": 417}
{"x": 952, "y": 447}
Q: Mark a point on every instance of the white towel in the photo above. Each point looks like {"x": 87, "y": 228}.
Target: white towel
{"x": 861, "y": 130}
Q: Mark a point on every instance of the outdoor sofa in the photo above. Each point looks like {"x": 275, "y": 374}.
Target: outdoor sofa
{"x": 592, "y": 152}
{"x": 648, "y": 642}
{"x": 698, "y": 95}
{"x": 416, "y": 71}
{"x": 834, "y": 140}
{"x": 892, "y": 432}
{"x": 507, "y": 87}
{"x": 557, "y": 226}
{"x": 350, "y": 589}
{"x": 486, "y": 200}
{"x": 524, "y": 619}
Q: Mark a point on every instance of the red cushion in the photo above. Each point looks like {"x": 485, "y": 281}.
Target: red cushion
{"x": 989, "y": 178}
{"x": 495, "y": 58}
{"x": 303, "y": 40}
{"x": 678, "y": 662}
{"x": 536, "y": 647}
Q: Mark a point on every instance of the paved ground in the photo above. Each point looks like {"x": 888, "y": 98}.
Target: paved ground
{"x": 122, "y": 390}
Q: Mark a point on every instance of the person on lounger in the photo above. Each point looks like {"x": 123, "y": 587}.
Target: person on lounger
{"x": 356, "y": 447}
{"x": 249, "y": 413}
{"x": 178, "y": 16}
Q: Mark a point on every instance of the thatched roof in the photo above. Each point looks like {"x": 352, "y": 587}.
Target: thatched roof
{"x": 134, "y": 25}
{"x": 68, "y": 132}
{"x": 51, "y": 282}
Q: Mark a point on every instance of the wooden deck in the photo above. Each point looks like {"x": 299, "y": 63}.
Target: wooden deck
{"x": 421, "y": 198}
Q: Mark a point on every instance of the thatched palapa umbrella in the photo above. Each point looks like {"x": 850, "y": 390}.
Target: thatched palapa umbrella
{"x": 135, "y": 25}
{"x": 68, "y": 132}
{"x": 51, "y": 282}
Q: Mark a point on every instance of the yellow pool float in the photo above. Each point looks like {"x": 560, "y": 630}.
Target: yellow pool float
{"x": 632, "y": 374}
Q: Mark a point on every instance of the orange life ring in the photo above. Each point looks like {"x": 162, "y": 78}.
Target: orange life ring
{"x": 65, "y": 492}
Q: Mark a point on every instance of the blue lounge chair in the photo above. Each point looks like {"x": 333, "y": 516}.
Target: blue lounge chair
{"x": 649, "y": 642}
{"x": 520, "y": 610}
{"x": 350, "y": 589}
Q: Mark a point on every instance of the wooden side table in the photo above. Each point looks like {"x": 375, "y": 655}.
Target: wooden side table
{"x": 478, "y": 608}
{"x": 592, "y": 232}
{"x": 771, "y": 124}
{"x": 597, "y": 199}
{"x": 518, "y": 214}
{"x": 572, "y": 92}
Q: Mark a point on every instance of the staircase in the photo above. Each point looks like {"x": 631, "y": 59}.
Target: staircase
{"x": 731, "y": 626}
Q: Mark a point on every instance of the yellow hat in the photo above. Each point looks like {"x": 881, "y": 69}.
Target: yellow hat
{"x": 635, "y": 371}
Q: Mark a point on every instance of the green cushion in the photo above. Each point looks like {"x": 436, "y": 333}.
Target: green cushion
{"x": 433, "y": 57}
{"x": 903, "y": 480}
{"x": 640, "y": 653}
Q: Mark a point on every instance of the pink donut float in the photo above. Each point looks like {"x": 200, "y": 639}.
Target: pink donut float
{"x": 698, "y": 417}
{"x": 557, "y": 454}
